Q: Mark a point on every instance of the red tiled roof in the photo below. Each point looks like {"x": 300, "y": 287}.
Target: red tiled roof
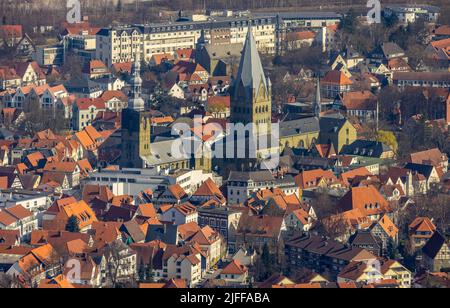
{"x": 11, "y": 31}
{"x": 234, "y": 268}
{"x": 359, "y": 100}
{"x": 336, "y": 77}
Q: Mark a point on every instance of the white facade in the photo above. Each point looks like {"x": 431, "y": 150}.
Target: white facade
{"x": 121, "y": 44}
{"x": 32, "y": 201}
{"x": 177, "y": 218}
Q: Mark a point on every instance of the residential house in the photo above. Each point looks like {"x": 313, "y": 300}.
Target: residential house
{"x": 316, "y": 179}
{"x": 10, "y": 35}
{"x": 30, "y": 73}
{"x": 436, "y": 253}
{"x": 393, "y": 270}
{"x": 360, "y": 104}
{"x": 173, "y": 194}
{"x": 364, "y": 239}
{"x": 338, "y": 131}
{"x": 37, "y": 265}
{"x": 335, "y": 83}
{"x": 235, "y": 274}
{"x": 9, "y": 79}
{"x": 85, "y": 110}
{"x": 432, "y": 157}
{"x": 366, "y": 199}
{"x": 18, "y": 218}
{"x": 254, "y": 232}
{"x": 432, "y": 174}
{"x": 208, "y": 191}
{"x": 319, "y": 253}
{"x": 387, "y": 232}
{"x": 95, "y": 69}
{"x": 299, "y": 220}
{"x": 420, "y": 232}
{"x": 58, "y": 215}
{"x": 211, "y": 244}
{"x": 178, "y": 214}
{"x": 367, "y": 148}
{"x": 223, "y": 220}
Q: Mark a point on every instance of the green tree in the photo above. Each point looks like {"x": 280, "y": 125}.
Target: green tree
{"x": 73, "y": 225}
{"x": 389, "y": 138}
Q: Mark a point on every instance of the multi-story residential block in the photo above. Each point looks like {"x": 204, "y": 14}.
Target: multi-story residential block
{"x": 49, "y": 55}
{"x": 422, "y": 79}
{"x": 223, "y": 220}
{"x": 322, "y": 254}
{"x": 122, "y": 44}
{"x": 18, "y": 218}
{"x": 409, "y": 13}
{"x": 31, "y": 200}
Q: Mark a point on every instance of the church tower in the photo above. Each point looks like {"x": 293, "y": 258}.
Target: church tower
{"x": 251, "y": 103}
{"x": 317, "y": 105}
{"x": 136, "y": 125}
{"x": 251, "y": 94}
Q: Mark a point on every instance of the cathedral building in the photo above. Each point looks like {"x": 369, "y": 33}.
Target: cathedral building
{"x": 251, "y": 111}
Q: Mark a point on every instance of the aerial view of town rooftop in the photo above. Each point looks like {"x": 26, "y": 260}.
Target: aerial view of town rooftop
{"x": 241, "y": 146}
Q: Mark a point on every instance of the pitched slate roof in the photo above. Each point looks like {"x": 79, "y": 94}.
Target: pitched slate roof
{"x": 251, "y": 73}
{"x": 300, "y": 126}
{"x": 434, "y": 245}
{"x": 366, "y": 148}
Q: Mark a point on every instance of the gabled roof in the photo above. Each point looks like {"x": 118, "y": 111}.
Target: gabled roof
{"x": 422, "y": 224}
{"x": 434, "y": 245}
{"x": 359, "y": 100}
{"x": 429, "y": 157}
{"x": 8, "y": 216}
{"x": 312, "y": 178}
{"x": 177, "y": 191}
{"x": 234, "y": 268}
{"x": 209, "y": 189}
{"x": 336, "y": 77}
{"x": 11, "y": 31}
{"x": 388, "y": 226}
{"x": 367, "y": 199}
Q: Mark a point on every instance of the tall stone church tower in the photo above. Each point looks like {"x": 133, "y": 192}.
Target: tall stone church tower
{"x": 251, "y": 103}
{"x": 136, "y": 125}
{"x": 251, "y": 96}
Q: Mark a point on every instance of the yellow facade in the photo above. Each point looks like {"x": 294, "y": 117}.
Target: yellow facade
{"x": 304, "y": 140}
{"x": 346, "y": 136}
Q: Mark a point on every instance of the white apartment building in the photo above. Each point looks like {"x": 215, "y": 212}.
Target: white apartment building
{"x": 31, "y": 200}
{"x": 121, "y": 44}
{"x": 409, "y": 13}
